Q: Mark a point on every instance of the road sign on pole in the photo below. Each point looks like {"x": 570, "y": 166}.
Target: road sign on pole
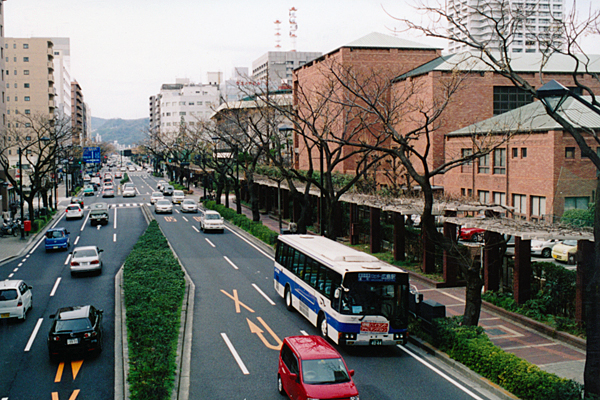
{"x": 91, "y": 155}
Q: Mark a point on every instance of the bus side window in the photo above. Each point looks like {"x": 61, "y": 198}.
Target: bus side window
{"x": 310, "y": 272}
{"x": 278, "y": 253}
{"x": 285, "y": 255}
{"x": 301, "y": 264}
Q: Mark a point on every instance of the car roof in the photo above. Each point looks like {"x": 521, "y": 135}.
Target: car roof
{"x": 312, "y": 347}
{"x": 10, "y": 284}
{"x": 211, "y": 212}
{"x": 75, "y": 312}
{"x": 60, "y": 228}
{"x": 99, "y": 205}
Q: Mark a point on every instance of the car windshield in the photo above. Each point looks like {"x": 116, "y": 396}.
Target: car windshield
{"x": 8, "y": 294}
{"x": 570, "y": 242}
{"x": 54, "y": 234}
{"x": 190, "y": 202}
{"x": 73, "y": 208}
{"x": 163, "y": 202}
{"x": 322, "y": 372}
{"x": 84, "y": 253}
{"x": 213, "y": 216}
{"x": 156, "y": 194}
{"x": 178, "y": 193}
{"x": 70, "y": 325}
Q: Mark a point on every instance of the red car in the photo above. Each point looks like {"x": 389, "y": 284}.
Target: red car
{"x": 471, "y": 234}
{"x": 310, "y": 368}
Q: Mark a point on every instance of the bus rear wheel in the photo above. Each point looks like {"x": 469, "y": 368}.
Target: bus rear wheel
{"x": 322, "y": 324}
{"x": 288, "y": 298}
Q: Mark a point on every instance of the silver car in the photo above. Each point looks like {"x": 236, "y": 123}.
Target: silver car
{"x": 156, "y": 196}
{"x": 86, "y": 258}
{"x": 178, "y": 196}
{"x": 211, "y": 220}
{"x": 189, "y": 205}
{"x": 128, "y": 191}
{"x": 15, "y": 299}
{"x": 163, "y": 206}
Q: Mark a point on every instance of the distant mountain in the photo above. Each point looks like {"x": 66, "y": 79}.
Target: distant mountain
{"x": 124, "y": 131}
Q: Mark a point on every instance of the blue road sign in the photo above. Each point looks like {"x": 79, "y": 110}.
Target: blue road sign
{"x": 91, "y": 155}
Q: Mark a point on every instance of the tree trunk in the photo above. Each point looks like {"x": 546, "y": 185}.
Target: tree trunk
{"x": 254, "y": 200}
{"x": 591, "y": 301}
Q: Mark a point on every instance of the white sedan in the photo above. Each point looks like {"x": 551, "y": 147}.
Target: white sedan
{"x": 189, "y": 205}
{"x": 128, "y": 191}
{"x": 211, "y": 220}
{"x": 163, "y": 206}
{"x": 86, "y": 258}
{"x": 156, "y": 196}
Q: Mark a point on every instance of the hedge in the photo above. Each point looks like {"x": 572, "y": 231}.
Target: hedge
{"x": 154, "y": 286}
{"x": 472, "y": 347}
{"x": 257, "y": 229}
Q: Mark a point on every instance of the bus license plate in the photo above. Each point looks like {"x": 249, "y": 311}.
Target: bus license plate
{"x": 375, "y": 342}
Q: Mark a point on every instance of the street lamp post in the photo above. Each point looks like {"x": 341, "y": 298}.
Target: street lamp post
{"x": 21, "y": 193}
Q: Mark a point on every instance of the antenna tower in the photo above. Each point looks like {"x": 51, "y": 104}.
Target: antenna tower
{"x": 277, "y": 34}
{"x": 293, "y": 27}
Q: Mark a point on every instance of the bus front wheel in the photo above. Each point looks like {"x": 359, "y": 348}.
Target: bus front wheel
{"x": 288, "y": 299}
{"x": 322, "y": 324}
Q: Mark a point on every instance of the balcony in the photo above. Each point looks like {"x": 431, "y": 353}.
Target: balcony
{"x": 51, "y": 78}
{"x": 51, "y": 103}
{"x": 50, "y": 65}
{"x": 51, "y": 90}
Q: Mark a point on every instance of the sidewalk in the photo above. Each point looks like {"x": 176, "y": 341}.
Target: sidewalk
{"x": 563, "y": 356}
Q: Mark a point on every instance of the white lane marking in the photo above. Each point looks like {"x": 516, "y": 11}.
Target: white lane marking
{"x": 11, "y": 275}
{"x": 85, "y": 221}
{"x": 115, "y": 219}
{"x": 38, "y": 243}
{"x": 16, "y": 269}
{"x": 34, "y": 334}
{"x": 67, "y": 260}
{"x": 196, "y": 229}
{"x": 209, "y": 242}
{"x": 250, "y": 243}
{"x": 114, "y": 237}
{"x": 23, "y": 260}
{"x": 304, "y": 333}
{"x": 440, "y": 373}
{"x": 230, "y": 262}
{"x": 19, "y": 264}
{"x": 235, "y": 354}
{"x": 98, "y": 227}
{"x": 27, "y": 256}
{"x": 184, "y": 218}
{"x": 263, "y": 294}
{"x": 55, "y": 287}
{"x": 76, "y": 241}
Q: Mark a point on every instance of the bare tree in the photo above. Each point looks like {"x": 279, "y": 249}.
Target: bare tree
{"x": 561, "y": 39}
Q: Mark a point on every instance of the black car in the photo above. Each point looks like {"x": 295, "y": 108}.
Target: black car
{"x": 75, "y": 330}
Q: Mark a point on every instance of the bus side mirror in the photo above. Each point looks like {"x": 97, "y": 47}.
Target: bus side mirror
{"x": 337, "y": 293}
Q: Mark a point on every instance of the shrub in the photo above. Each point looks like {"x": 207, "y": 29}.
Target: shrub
{"x": 577, "y": 217}
{"x": 471, "y": 347}
{"x": 125, "y": 178}
{"x": 154, "y": 286}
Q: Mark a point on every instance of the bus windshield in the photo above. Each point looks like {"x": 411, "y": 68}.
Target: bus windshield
{"x": 376, "y": 294}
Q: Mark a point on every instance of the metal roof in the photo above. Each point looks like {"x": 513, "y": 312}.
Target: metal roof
{"x": 534, "y": 118}
{"x": 520, "y": 62}
{"x": 379, "y": 40}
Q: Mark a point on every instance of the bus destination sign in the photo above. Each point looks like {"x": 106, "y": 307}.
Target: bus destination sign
{"x": 376, "y": 277}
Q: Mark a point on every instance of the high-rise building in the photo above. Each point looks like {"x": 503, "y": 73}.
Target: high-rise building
{"x": 77, "y": 115}
{"x": 3, "y": 188}
{"x": 530, "y": 26}
{"x": 62, "y": 76}
{"x": 277, "y": 66}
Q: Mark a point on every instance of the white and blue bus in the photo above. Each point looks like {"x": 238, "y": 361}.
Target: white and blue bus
{"x": 350, "y": 296}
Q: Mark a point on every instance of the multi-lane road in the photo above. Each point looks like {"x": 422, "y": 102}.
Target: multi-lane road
{"x": 238, "y": 319}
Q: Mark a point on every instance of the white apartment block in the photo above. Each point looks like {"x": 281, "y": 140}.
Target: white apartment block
{"x": 62, "y": 76}
{"x": 183, "y": 103}
{"x": 277, "y": 66}
{"x": 532, "y": 25}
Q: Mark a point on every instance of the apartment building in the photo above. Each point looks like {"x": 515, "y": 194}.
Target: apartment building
{"x": 78, "y": 117}
{"x": 62, "y": 76}
{"x": 3, "y": 188}
{"x": 277, "y": 66}
{"x": 531, "y": 25}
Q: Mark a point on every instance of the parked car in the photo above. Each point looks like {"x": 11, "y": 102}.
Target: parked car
{"x": 156, "y": 196}
{"x": 168, "y": 190}
{"x": 75, "y": 330}
{"x": 565, "y": 251}
{"x": 189, "y": 205}
{"x": 15, "y": 299}
{"x": 211, "y": 220}
{"x": 163, "y": 206}
{"x": 74, "y": 211}
{"x": 178, "y": 196}
{"x": 471, "y": 234}
{"x": 108, "y": 192}
{"x": 86, "y": 258}
{"x": 310, "y": 368}
{"x": 57, "y": 238}
{"x": 99, "y": 214}
{"x": 543, "y": 248}
{"x": 88, "y": 190}
{"x": 128, "y": 191}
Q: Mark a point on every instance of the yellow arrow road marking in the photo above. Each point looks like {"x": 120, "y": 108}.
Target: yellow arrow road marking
{"x": 259, "y": 332}
{"x": 73, "y": 395}
{"x": 75, "y": 366}
{"x": 59, "y": 372}
{"x": 237, "y": 301}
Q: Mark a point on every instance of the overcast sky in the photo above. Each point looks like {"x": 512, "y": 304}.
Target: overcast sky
{"x": 123, "y": 50}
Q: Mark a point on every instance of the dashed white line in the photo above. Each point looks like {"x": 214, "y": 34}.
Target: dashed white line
{"x": 11, "y": 275}
{"x": 235, "y": 354}
{"x": 16, "y": 269}
{"x": 85, "y": 222}
{"x": 98, "y": 227}
{"x": 184, "y": 218}
{"x": 19, "y": 264}
{"x": 304, "y": 333}
{"x": 209, "y": 242}
{"x": 68, "y": 259}
{"x": 230, "y": 262}
{"x": 114, "y": 237}
{"x": 55, "y": 287}
{"x": 76, "y": 240}
{"x": 196, "y": 229}
{"x": 263, "y": 294}
{"x": 34, "y": 334}
{"x": 116, "y": 218}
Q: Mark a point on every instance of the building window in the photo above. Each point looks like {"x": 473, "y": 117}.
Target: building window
{"x": 25, "y": 59}
{"x": 25, "y": 45}
{"x": 500, "y": 198}
{"x": 538, "y": 206}
{"x": 182, "y": 103}
{"x": 467, "y": 166}
{"x": 27, "y": 111}
{"x": 484, "y": 196}
{"x": 27, "y": 125}
{"x": 25, "y": 72}
{"x": 500, "y": 161}
{"x": 27, "y": 98}
{"x": 199, "y": 103}
{"x": 168, "y": 114}
{"x": 191, "y": 103}
{"x": 182, "y": 113}
{"x": 520, "y": 203}
{"x": 576, "y": 203}
{"x": 508, "y": 98}
{"x": 26, "y": 85}
{"x": 524, "y": 152}
{"x": 515, "y": 152}
{"x": 484, "y": 164}
{"x": 570, "y": 152}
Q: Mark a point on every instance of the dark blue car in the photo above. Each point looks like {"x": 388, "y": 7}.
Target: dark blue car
{"x": 57, "y": 238}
